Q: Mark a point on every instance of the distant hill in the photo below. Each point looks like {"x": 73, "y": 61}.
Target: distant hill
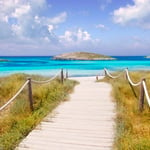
{"x": 82, "y": 56}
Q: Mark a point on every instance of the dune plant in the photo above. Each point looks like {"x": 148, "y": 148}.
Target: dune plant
{"x": 18, "y": 120}
{"x": 133, "y": 126}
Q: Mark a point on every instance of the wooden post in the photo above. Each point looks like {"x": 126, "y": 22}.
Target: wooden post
{"x": 96, "y": 78}
{"x": 105, "y": 73}
{"x": 126, "y": 74}
{"x": 66, "y": 74}
{"x": 132, "y": 89}
{"x": 141, "y": 99}
{"x": 30, "y": 94}
{"x": 62, "y": 76}
{"x": 126, "y": 77}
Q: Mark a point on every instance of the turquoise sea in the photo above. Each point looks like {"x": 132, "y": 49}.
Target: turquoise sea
{"x": 45, "y": 65}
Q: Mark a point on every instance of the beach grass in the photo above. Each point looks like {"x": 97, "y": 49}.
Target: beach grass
{"x": 18, "y": 120}
{"x": 133, "y": 126}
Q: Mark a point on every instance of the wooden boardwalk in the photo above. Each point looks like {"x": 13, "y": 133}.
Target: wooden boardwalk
{"x": 85, "y": 122}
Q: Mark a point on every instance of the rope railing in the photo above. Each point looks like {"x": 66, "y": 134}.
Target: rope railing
{"x": 127, "y": 76}
{"x": 13, "y": 98}
{"x": 146, "y": 92}
{"x": 47, "y": 81}
{"x": 129, "y": 79}
{"x": 142, "y": 84}
{"x": 111, "y": 76}
{"x": 29, "y": 83}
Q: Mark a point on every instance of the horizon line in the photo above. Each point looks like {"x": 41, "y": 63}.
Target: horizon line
{"x": 54, "y": 55}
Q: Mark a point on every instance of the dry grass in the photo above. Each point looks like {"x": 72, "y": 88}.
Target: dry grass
{"x": 17, "y": 121}
{"x": 133, "y": 127}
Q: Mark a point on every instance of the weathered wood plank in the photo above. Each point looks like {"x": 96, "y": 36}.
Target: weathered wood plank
{"x": 85, "y": 122}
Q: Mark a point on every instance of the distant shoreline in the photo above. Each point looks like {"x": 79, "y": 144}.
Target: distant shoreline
{"x": 107, "y": 59}
{"x": 3, "y": 60}
{"x": 148, "y": 57}
{"x": 3, "y": 56}
{"x": 82, "y": 56}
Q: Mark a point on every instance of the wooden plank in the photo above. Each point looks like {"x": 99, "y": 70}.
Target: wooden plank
{"x": 85, "y": 122}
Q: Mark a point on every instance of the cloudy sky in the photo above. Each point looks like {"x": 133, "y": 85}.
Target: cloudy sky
{"x": 49, "y": 27}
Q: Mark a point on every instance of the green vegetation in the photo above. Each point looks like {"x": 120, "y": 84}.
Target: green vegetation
{"x": 90, "y": 55}
{"x": 17, "y": 121}
{"x": 83, "y": 56}
{"x": 133, "y": 127}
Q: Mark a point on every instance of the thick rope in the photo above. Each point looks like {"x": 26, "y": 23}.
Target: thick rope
{"x": 129, "y": 79}
{"x": 146, "y": 92}
{"x": 132, "y": 83}
{"x": 47, "y": 81}
{"x": 19, "y": 91}
{"x": 111, "y": 76}
{"x": 23, "y": 86}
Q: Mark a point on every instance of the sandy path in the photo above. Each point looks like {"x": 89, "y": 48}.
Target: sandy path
{"x": 85, "y": 122}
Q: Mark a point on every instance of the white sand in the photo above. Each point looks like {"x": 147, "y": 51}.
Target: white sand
{"x": 85, "y": 122}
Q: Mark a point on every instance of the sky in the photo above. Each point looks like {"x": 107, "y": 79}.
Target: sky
{"x": 51, "y": 27}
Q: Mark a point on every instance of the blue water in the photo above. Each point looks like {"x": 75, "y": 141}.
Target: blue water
{"x": 45, "y": 65}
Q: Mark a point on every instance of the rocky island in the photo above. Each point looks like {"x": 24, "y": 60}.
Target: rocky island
{"x": 3, "y": 60}
{"x": 82, "y": 56}
{"x": 147, "y": 57}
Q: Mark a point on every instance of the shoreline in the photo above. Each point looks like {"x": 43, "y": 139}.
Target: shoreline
{"x": 71, "y": 73}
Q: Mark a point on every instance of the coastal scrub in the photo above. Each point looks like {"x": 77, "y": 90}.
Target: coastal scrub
{"x": 18, "y": 120}
{"x": 133, "y": 127}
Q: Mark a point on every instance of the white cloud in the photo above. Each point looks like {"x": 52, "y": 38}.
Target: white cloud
{"x": 23, "y": 19}
{"x": 37, "y": 19}
{"x": 102, "y": 27}
{"x": 25, "y": 29}
{"x": 78, "y": 40}
{"x": 50, "y": 28}
{"x": 46, "y": 39}
{"x": 24, "y": 26}
{"x": 83, "y": 35}
{"x": 58, "y": 19}
{"x": 137, "y": 14}
{"x": 22, "y": 10}
{"x": 5, "y": 19}
{"x": 17, "y": 30}
{"x": 104, "y": 4}
{"x": 76, "y": 36}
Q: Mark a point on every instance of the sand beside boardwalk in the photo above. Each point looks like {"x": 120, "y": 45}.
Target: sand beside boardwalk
{"x": 85, "y": 122}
